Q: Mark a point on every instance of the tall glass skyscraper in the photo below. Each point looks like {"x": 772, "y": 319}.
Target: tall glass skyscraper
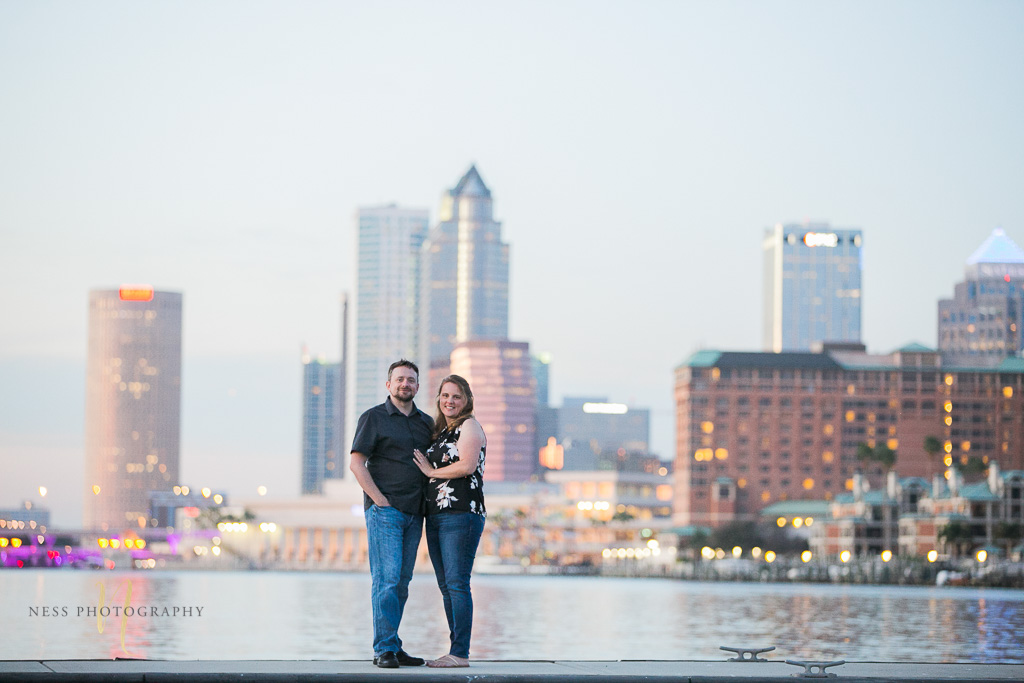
{"x": 387, "y": 296}
{"x": 984, "y": 321}
{"x": 322, "y": 454}
{"x": 812, "y": 286}
{"x": 465, "y": 273}
{"x": 133, "y": 404}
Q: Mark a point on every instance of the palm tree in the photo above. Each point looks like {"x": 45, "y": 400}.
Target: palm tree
{"x": 884, "y": 456}
{"x": 932, "y": 446}
{"x": 1008, "y": 533}
{"x": 956, "y": 534}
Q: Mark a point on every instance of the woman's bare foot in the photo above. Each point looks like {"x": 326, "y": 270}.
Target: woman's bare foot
{"x": 448, "y": 662}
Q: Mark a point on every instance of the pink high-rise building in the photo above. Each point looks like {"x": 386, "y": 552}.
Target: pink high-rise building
{"x": 133, "y": 404}
{"x": 500, "y": 375}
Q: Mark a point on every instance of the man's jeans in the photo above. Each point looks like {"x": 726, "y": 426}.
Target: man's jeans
{"x": 452, "y": 539}
{"x": 393, "y": 537}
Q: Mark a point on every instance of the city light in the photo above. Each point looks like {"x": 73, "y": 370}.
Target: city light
{"x": 136, "y": 293}
{"x": 982, "y": 555}
{"x": 606, "y": 408}
{"x": 262, "y": 490}
{"x": 707, "y": 553}
{"x": 933, "y": 555}
{"x": 737, "y": 551}
{"x": 797, "y": 522}
{"x": 806, "y": 556}
{"x": 42, "y": 491}
{"x": 886, "y": 555}
{"x": 755, "y": 552}
{"x": 821, "y": 239}
{"x": 769, "y": 556}
{"x": 844, "y": 556}
{"x": 781, "y": 522}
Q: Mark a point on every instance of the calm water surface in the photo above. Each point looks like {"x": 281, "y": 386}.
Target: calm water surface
{"x": 268, "y": 615}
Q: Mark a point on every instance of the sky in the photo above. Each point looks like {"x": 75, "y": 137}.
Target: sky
{"x": 635, "y": 152}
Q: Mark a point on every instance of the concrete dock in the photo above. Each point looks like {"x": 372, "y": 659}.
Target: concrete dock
{"x": 135, "y": 670}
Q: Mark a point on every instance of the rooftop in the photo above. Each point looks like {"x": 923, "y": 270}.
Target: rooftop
{"x": 998, "y": 248}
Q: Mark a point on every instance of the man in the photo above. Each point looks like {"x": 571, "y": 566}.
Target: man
{"x": 382, "y": 462}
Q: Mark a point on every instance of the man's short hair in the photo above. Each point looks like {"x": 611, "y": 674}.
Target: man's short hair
{"x": 403, "y": 363}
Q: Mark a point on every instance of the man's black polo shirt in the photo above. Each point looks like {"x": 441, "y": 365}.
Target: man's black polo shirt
{"x": 387, "y": 438}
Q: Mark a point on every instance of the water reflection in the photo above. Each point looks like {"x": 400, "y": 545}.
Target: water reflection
{"x": 267, "y": 615}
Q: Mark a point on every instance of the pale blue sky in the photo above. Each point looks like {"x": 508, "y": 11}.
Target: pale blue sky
{"x": 635, "y": 151}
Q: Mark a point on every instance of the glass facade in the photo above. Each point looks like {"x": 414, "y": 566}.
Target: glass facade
{"x": 812, "y": 286}
{"x": 322, "y": 455}
{"x": 465, "y": 273}
{"x": 984, "y": 321}
{"x": 387, "y": 296}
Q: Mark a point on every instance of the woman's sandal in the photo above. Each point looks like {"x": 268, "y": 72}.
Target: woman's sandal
{"x": 448, "y": 662}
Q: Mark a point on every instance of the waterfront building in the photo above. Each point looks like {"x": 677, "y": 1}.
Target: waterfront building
{"x": 907, "y": 515}
{"x": 387, "y": 296}
{"x": 133, "y": 403}
{"x": 756, "y": 428}
{"x": 323, "y": 455}
{"x": 502, "y": 381}
{"x": 604, "y": 495}
{"x": 598, "y": 435}
{"x": 812, "y": 286}
{"x": 984, "y": 321}
{"x": 464, "y": 275}
{"x": 170, "y": 507}
{"x": 28, "y": 517}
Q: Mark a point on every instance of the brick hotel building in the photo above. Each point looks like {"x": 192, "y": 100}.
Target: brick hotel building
{"x": 757, "y": 428}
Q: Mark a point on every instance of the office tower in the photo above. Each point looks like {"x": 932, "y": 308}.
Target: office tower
{"x": 322, "y": 452}
{"x": 500, "y": 376}
{"x": 465, "y": 274}
{"x": 812, "y": 286}
{"x": 341, "y": 410}
{"x": 133, "y": 403}
{"x": 387, "y": 296}
{"x": 545, "y": 444}
{"x": 598, "y": 435}
{"x": 753, "y": 429}
{"x": 984, "y": 321}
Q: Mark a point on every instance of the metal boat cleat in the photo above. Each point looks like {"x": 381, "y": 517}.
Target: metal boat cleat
{"x": 747, "y": 654}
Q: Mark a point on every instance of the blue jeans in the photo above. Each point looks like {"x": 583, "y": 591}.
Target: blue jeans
{"x": 452, "y": 539}
{"x": 393, "y": 537}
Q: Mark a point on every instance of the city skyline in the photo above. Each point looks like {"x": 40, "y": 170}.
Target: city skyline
{"x": 639, "y": 153}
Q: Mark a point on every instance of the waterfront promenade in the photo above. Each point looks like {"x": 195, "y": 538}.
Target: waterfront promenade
{"x": 131, "y": 671}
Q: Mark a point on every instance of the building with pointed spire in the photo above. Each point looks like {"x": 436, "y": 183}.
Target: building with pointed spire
{"x": 982, "y": 324}
{"x": 464, "y": 274}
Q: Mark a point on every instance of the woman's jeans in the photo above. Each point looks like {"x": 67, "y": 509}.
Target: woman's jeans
{"x": 393, "y": 538}
{"x": 452, "y": 539}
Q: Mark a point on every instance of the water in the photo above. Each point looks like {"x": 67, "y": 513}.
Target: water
{"x": 270, "y": 615}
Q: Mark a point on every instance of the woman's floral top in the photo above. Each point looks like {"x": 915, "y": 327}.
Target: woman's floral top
{"x": 465, "y": 494}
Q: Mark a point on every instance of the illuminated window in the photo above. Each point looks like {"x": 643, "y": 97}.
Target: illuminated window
{"x": 850, "y": 416}
{"x": 827, "y": 456}
{"x": 893, "y": 444}
{"x": 829, "y": 429}
{"x": 808, "y": 484}
{"x": 1008, "y": 392}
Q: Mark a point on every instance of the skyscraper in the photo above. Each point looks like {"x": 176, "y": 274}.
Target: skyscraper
{"x": 812, "y": 286}
{"x": 500, "y": 375}
{"x": 465, "y": 273}
{"x": 387, "y": 295}
{"x": 133, "y": 403}
{"x": 984, "y": 321}
{"x": 322, "y": 455}
{"x": 598, "y": 435}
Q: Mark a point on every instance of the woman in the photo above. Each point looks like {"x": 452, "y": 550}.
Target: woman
{"x": 454, "y": 464}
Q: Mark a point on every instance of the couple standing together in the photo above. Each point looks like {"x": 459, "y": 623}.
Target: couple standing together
{"x": 402, "y": 484}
